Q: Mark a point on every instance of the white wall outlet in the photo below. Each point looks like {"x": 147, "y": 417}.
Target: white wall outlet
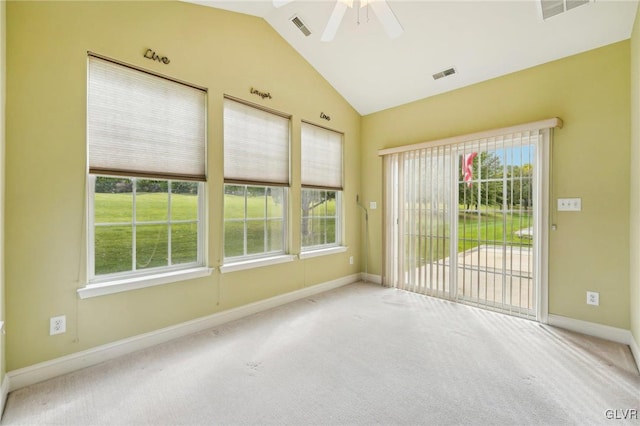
{"x": 58, "y": 325}
{"x": 569, "y": 204}
{"x": 350, "y": 260}
{"x": 593, "y": 298}
{"x": 373, "y": 205}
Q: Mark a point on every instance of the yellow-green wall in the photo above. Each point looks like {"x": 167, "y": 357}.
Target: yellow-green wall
{"x": 228, "y": 53}
{"x": 47, "y": 44}
{"x": 591, "y": 93}
{"x": 634, "y": 232}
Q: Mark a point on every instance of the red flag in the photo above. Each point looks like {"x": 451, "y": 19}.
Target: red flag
{"x": 468, "y": 167}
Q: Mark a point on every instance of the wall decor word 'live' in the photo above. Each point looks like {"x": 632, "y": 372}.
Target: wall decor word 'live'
{"x": 325, "y": 116}
{"x": 150, "y": 54}
{"x": 259, "y": 93}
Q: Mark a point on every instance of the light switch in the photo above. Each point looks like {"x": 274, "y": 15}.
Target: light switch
{"x": 569, "y": 204}
{"x": 373, "y": 205}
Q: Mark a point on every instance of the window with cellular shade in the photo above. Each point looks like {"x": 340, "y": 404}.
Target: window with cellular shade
{"x": 256, "y": 145}
{"x": 141, "y": 124}
{"x": 321, "y": 157}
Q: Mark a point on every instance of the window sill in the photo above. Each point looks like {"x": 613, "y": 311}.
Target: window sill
{"x": 256, "y": 263}
{"x": 323, "y": 252}
{"x": 117, "y": 286}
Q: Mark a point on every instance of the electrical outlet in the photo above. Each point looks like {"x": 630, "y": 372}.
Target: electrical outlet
{"x": 350, "y": 260}
{"x": 593, "y": 298}
{"x": 58, "y": 325}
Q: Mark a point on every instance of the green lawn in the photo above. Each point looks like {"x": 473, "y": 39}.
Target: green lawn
{"x": 261, "y": 212}
{"x": 491, "y": 228}
{"x": 256, "y": 207}
{"x": 484, "y": 227}
{"x": 319, "y": 224}
{"x": 113, "y": 244}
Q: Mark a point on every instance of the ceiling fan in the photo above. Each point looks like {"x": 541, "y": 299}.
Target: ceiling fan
{"x": 380, "y": 8}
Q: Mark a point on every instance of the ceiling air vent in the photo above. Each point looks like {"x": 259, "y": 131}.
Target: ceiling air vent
{"x": 444, "y": 73}
{"x": 300, "y": 25}
{"x": 555, "y": 7}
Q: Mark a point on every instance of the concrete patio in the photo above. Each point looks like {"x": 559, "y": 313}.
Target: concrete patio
{"x": 492, "y": 276}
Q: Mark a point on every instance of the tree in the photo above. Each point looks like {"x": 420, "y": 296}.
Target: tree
{"x": 519, "y": 191}
{"x": 148, "y": 185}
{"x": 310, "y": 199}
{"x": 486, "y": 167}
{"x": 112, "y": 185}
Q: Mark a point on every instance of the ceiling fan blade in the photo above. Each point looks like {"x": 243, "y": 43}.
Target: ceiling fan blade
{"x": 334, "y": 21}
{"x": 386, "y": 17}
{"x": 280, "y": 3}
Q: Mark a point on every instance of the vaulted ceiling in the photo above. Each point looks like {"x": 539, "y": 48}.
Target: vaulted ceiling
{"x": 480, "y": 39}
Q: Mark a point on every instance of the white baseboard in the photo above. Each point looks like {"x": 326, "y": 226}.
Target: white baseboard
{"x": 371, "y": 278}
{"x": 22, "y": 377}
{"x": 614, "y": 334}
{"x": 4, "y": 393}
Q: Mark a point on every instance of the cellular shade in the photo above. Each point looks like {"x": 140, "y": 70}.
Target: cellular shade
{"x": 256, "y": 145}
{"x": 140, "y": 124}
{"x": 321, "y": 157}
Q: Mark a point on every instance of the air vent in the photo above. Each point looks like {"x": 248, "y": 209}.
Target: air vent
{"x": 444, "y": 73}
{"x": 300, "y": 25}
{"x": 555, "y": 7}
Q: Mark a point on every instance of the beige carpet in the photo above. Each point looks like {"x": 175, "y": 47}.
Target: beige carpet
{"x": 361, "y": 354}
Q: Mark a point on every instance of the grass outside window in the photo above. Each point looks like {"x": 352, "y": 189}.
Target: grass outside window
{"x": 254, "y": 221}
{"x": 142, "y": 224}
{"x": 320, "y": 218}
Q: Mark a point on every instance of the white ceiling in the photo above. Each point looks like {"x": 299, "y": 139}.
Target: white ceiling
{"x": 481, "y": 39}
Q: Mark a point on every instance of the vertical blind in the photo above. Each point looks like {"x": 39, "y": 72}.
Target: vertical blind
{"x": 418, "y": 227}
{"x": 321, "y": 157}
{"x": 140, "y": 124}
{"x": 465, "y": 236}
{"x": 256, "y": 145}
{"x": 462, "y": 217}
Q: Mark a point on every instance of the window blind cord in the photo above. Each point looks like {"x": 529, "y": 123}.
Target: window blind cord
{"x": 83, "y": 229}
{"x": 153, "y": 253}
{"x": 366, "y": 239}
{"x": 82, "y": 260}
{"x": 553, "y": 207}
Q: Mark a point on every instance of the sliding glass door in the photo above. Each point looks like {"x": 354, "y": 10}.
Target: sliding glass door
{"x": 462, "y": 221}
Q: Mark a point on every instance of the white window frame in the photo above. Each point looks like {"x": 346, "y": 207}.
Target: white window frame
{"x": 251, "y": 258}
{"x": 129, "y": 280}
{"x": 338, "y": 224}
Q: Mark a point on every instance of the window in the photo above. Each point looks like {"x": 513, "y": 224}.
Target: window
{"x": 141, "y": 224}
{"x": 320, "y": 224}
{"x": 147, "y": 149}
{"x": 256, "y": 173}
{"x": 321, "y": 187}
{"x": 253, "y": 220}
